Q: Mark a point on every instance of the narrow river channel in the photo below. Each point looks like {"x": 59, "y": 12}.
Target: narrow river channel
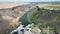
{"x": 24, "y": 19}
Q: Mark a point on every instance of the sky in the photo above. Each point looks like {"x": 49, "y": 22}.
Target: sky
{"x": 28, "y": 0}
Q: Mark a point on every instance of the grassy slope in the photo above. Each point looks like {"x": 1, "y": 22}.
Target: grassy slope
{"x": 33, "y": 17}
{"x": 34, "y": 11}
{"x": 54, "y": 7}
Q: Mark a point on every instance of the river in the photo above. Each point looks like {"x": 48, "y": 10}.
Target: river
{"x": 24, "y": 19}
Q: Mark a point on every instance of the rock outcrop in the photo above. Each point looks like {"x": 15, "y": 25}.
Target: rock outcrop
{"x": 10, "y": 16}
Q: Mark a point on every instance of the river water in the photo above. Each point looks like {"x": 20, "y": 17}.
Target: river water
{"x": 24, "y": 19}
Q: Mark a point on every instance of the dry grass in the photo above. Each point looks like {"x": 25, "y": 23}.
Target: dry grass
{"x": 50, "y": 6}
{"x": 11, "y": 4}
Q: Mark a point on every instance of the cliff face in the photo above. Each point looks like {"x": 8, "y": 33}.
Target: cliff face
{"x": 10, "y": 16}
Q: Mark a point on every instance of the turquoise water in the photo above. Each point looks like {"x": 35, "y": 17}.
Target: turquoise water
{"x": 24, "y": 19}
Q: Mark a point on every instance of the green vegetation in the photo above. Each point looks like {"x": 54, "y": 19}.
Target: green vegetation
{"x": 33, "y": 16}
{"x": 58, "y": 7}
{"x": 57, "y": 18}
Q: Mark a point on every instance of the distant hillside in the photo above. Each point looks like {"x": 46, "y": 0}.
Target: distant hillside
{"x": 48, "y": 2}
{"x": 11, "y": 4}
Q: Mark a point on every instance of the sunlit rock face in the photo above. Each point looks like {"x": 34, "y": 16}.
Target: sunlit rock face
{"x": 7, "y": 23}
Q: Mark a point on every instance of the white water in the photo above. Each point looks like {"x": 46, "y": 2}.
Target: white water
{"x": 25, "y": 29}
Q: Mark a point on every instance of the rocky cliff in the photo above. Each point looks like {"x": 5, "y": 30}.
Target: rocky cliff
{"x": 9, "y": 17}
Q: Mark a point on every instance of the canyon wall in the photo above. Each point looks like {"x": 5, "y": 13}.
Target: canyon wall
{"x": 9, "y": 17}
